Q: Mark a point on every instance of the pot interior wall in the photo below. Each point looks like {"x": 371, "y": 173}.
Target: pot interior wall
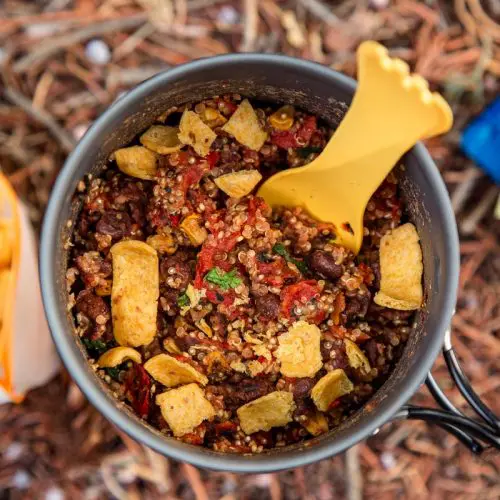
{"x": 319, "y": 96}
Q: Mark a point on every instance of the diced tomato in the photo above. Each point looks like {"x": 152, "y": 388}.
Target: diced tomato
{"x": 254, "y": 204}
{"x": 99, "y": 203}
{"x": 192, "y": 175}
{"x": 225, "y": 427}
{"x": 317, "y": 317}
{"x": 338, "y": 331}
{"x": 298, "y": 293}
{"x": 338, "y": 308}
{"x": 284, "y": 139}
{"x": 231, "y": 107}
{"x": 213, "y": 158}
{"x": 217, "y": 343}
{"x": 197, "y": 436}
{"x": 174, "y": 219}
{"x": 295, "y": 138}
{"x": 367, "y": 273}
{"x": 334, "y": 404}
{"x": 138, "y": 386}
{"x": 276, "y": 273}
{"x": 221, "y": 297}
{"x": 305, "y": 132}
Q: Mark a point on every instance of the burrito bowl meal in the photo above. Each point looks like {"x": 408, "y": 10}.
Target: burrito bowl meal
{"x": 217, "y": 320}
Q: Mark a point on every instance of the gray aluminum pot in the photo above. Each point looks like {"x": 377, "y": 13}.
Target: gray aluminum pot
{"x": 321, "y": 91}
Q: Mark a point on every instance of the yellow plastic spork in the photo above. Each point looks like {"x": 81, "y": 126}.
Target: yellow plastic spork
{"x": 390, "y": 112}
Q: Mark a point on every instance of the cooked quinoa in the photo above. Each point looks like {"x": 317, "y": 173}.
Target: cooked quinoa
{"x": 247, "y": 295}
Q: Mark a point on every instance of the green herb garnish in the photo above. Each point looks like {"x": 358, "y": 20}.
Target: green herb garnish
{"x": 222, "y": 279}
{"x": 280, "y": 249}
{"x": 97, "y": 346}
{"x": 183, "y": 300}
{"x": 113, "y": 372}
{"x": 305, "y": 152}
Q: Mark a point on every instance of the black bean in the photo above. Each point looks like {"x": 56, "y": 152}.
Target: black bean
{"x": 115, "y": 224}
{"x": 324, "y": 264}
{"x": 302, "y": 387}
{"x": 184, "y": 343}
{"x": 268, "y": 306}
{"x": 92, "y": 305}
{"x": 357, "y": 306}
{"x": 371, "y": 349}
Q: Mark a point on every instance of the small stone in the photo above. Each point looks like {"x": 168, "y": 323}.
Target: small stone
{"x": 388, "y": 460}
{"x": 379, "y": 4}
{"x": 98, "y": 52}
{"x": 228, "y": 15}
{"x": 21, "y": 480}
{"x": 13, "y": 452}
{"x": 54, "y": 493}
{"x": 79, "y": 130}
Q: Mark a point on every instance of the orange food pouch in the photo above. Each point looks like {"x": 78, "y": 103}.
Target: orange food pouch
{"x": 27, "y": 354}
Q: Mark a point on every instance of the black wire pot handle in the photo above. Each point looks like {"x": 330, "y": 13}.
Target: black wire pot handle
{"x": 478, "y": 434}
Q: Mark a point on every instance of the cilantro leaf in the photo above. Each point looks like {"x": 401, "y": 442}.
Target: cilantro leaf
{"x": 183, "y": 300}
{"x": 222, "y": 279}
{"x": 305, "y": 152}
{"x": 280, "y": 249}
{"x": 97, "y": 346}
{"x": 113, "y": 372}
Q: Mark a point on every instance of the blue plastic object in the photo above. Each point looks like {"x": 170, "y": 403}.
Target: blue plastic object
{"x": 481, "y": 140}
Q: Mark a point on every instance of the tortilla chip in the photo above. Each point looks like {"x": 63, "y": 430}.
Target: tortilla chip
{"x": 401, "y": 269}
{"x": 238, "y": 184}
{"x": 184, "y": 408}
{"x": 195, "y": 133}
{"x": 273, "y": 410}
{"x": 329, "y": 388}
{"x": 244, "y": 126}
{"x": 170, "y": 372}
{"x": 161, "y": 139}
{"x": 117, "y": 355}
{"x": 356, "y": 357}
{"x": 135, "y": 291}
{"x": 299, "y": 350}
{"x": 137, "y": 161}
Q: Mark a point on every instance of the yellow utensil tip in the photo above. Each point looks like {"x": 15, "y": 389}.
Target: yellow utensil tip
{"x": 390, "y": 112}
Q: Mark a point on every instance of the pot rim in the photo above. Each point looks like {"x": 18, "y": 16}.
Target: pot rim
{"x": 84, "y": 378}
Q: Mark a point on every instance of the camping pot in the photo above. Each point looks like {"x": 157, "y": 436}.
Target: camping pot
{"x": 325, "y": 93}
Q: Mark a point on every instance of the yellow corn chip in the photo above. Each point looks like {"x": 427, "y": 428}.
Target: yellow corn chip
{"x": 162, "y": 243}
{"x": 192, "y": 228}
{"x": 238, "y": 184}
{"x": 170, "y": 372}
{"x": 329, "y": 388}
{"x": 136, "y": 161}
{"x": 195, "y": 133}
{"x": 401, "y": 269}
{"x": 117, "y": 355}
{"x": 299, "y": 350}
{"x": 184, "y": 408}
{"x": 244, "y": 126}
{"x": 135, "y": 292}
{"x": 273, "y": 410}
{"x": 170, "y": 346}
{"x": 356, "y": 356}
{"x": 161, "y": 139}
{"x": 212, "y": 117}
{"x": 316, "y": 424}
